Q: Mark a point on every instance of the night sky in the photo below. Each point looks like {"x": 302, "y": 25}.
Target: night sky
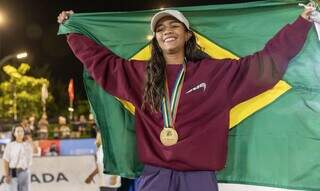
{"x": 31, "y": 26}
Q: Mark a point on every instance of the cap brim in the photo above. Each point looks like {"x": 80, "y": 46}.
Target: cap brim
{"x": 157, "y": 18}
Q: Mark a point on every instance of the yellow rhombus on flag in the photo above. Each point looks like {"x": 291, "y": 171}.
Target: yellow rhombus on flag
{"x": 238, "y": 112}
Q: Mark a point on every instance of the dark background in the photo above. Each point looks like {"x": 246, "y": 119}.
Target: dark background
{"x": 31, "y": 26}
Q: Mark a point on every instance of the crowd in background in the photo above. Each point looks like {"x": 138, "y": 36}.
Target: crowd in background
{"x": 37, "y": 130}
{"x": 18, "y": 175}
{"x": 78, "y": 127}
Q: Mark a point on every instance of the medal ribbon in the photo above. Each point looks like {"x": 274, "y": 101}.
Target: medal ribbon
{"x": 170, "y": 107}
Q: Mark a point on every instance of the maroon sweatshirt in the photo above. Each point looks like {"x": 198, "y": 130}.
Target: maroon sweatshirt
{"x": 211, "y": 88}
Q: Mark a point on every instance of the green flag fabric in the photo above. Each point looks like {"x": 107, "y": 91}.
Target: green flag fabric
{"x": 276, "y": 146}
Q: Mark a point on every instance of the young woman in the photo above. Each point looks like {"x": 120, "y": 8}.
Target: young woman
{"x": 183, "y": 97}
{"x": 17, "y": 159}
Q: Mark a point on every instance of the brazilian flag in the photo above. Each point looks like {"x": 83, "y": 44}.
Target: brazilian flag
{"x": 274, "y": 138}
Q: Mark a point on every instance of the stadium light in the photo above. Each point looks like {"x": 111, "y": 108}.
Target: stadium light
{"x": 22, "y": 55}
{"x": 18, "y": 56}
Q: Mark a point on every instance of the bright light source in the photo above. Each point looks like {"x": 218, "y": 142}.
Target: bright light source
{"x": 161, "y": 8}
{"x": 22, "y": 55}
{"x": 2, "y": 18}
{"x": 149, "y": 37}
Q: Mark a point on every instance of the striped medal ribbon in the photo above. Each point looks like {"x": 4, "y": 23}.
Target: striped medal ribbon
{"x": 169, "y": 135}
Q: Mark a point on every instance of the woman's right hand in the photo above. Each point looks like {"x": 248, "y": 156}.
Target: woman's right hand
{"x": 308, "y": 9}
{"x": 63, "y": 16}
{"x": 89, "y": 179}
{"x": 7, "y": 179}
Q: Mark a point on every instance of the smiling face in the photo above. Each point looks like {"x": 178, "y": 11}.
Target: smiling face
{"x": 171, "y": 35}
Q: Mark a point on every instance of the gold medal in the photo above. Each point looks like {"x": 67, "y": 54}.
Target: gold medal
{"x": 168, "y": 136}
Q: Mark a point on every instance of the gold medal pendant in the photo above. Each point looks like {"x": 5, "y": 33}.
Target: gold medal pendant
{"x": 168, "y": 136}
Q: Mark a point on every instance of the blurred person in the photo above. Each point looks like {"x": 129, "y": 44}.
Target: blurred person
{"x": 56, "y": 132}
{"x": 63, "y": 128}
{"x": 36, "y": 149}
{"x": 32, "y": 121}
{"x": 27, "y": 130}
{"x": 17, "y": 159}
{"x": 75, "y": 126}
{"x": 92, "y": 125}
{"x": 82, "y": 125}
{"x": 43, "y": 127}
{"x": 106, "y": 182}
{"x": 53, "y": 150}
{"x": 24, "y": 123}
{"x": 32, "y": 124}
{"x": 91, "y": 117}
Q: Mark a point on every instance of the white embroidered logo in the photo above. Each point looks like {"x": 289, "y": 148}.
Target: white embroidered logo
{"x": 202, "y": 85}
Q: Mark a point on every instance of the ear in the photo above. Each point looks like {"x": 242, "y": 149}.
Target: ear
{"x": 188, "y": 35}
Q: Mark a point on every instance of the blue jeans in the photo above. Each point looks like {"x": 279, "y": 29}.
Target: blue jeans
{"x": 21, "y": 182}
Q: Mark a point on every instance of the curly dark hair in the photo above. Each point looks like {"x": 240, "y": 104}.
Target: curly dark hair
{"x": 155, "y": 71}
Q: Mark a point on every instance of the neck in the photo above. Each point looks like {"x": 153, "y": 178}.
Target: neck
{"x": 19, "y": 141}
{"x": 176, "y": 58}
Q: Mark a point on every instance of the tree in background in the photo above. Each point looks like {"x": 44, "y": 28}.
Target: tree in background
{"x": 21, "y": 93}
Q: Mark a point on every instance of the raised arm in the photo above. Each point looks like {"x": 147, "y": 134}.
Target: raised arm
{"x": 254, "y": 74}
{"x": 118, "y": 76}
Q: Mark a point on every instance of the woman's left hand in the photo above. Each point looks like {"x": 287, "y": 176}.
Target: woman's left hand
{"x": 307, "y": 11}
{"x": 113, "y": 180}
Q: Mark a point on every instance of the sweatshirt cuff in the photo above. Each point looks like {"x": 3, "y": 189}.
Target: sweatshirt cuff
{"x": 71, "y": 36}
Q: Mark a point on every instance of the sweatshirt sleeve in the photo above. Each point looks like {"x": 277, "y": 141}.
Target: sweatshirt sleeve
{"x": 254, "y": 74}
{"x": 117, "y": 76}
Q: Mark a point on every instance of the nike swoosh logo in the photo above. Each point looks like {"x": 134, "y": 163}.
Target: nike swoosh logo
{"x": 202, "y": 85}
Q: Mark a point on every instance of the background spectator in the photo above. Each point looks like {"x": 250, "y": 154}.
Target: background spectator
{"x": 53, "y": 150}
{"x": 92, "y": 125}
{"x": 82, "y": 125}
{"x": 43, "y": 127}
{"x": 63, "y": 128}
{"x": 17, "y": 159}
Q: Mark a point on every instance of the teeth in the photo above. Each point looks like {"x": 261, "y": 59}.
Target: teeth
{"x": 169, "y": 39}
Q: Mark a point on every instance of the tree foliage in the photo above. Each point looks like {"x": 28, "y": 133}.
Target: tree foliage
{"x": 27, "y": 89}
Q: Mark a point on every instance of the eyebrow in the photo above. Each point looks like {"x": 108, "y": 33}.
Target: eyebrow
{"x": 172, "y": 21}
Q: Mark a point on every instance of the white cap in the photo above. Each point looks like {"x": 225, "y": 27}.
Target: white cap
{"x": 174, "y": 13}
